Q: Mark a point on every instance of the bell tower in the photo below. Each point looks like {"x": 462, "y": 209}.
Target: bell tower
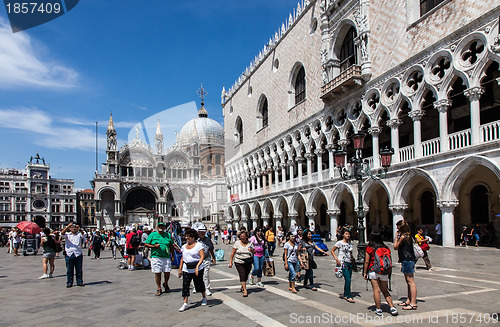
{"x": 159, "y": 139}
{"x": 111, "y": 148}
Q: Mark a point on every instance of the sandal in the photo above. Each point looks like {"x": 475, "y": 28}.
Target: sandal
{"x": 351, "y": 300}
{"x": 158, "y": 292}
{"x": 245, "y": 294}
{"x": 167, "y": 289}
{"x": 403, "y": 304}
{"x": 314, "y": 289}
{"x": 410, "y": 307}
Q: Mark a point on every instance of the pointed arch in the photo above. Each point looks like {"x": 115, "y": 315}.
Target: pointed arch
{"x": 295, "y": 199}
{"x": 313, "y": 199}
{"x": 336, "y": 197}
{"x": 369, "y": 186}
{"x": 455, "y": 179}
{"x": 404, "y": 185}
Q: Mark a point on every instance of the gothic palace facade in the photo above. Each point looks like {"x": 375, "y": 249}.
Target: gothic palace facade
{"x": 421, "y": 77}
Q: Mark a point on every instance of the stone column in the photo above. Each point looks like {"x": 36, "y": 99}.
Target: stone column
{"x": 237, "y": 224}
{"x": 417, "y": 115}
{"x": 331, "y": 169}
{"x": 394, "y": 125}
{"x": 474, "y": 94}
{"x": 442, "y": 107}
{"x": 300, "y": 162}
{"x": 283, "y": 175}
{"x": 293, "y": 219}
{"x": 278, "y": 219}
{"x": 257, "y": 178}
{"x": 265, "y": 220}
{"x": 290, "y": 164}
{"x": 397, "y": 215}
{"x": 253, "y": 184}
{"x": 248, "y": 186}
{"x": 448, "y": 221}
{"x": 375, "y": 132}
{"x": 244, "y": 222}
{"x": 309, "y": 167}
{"x": 276, "y": 178}
{"x": 254, "y": 222}
{"x": 228, "y": 223}
{"x": 319, "y": 154}
{"x": 311, "y": 216}
{"x": 334, "y": 222}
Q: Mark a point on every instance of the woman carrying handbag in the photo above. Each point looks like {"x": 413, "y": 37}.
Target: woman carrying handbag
{"x": 307, "y": 260}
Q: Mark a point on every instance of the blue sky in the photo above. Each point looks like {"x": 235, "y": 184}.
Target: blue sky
{"x": 133, "y": 58}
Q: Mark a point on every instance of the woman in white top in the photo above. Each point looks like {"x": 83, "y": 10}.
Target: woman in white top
{"x": 345, "y": 260}
{"x": 191, "y": 267}
{"x": 242, "y": 256}
{"x": 292, "y": 262}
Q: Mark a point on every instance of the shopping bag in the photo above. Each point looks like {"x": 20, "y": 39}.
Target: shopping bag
{"x": 269, "y": 270}
{"x": 304, "y": 259}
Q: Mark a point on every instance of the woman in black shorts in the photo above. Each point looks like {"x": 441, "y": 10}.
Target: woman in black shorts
{"x": 242, "y": 256}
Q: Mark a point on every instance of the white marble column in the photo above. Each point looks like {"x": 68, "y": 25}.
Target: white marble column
{"x": 265, "y": 220}
{"x": 278, "y": 220}
{"x": 311, "y": 216}
{"x": 417, "y": 115}
{"x": 448, "y": 221}
{"x": 474, "y": 94}
{"x": 375, "y": 132}
{"x": 331, "y": 163}
{"x": 244, "y": 222}
{"x": 334, "y": 222}
{"x": 290, "y": 164}
{"x": 394, "y": 125}
{"x": 254, "y": 222}
{"x": 397, "y": 215}
{"x": 293, "y": 220}
{"x": 442, "y": 107}
{"x": 276, "y": 179}
{"x": 309, "y": 167}
{"x": 283, "y": 176}
{"x": 319, "y": 154}
{"x": 300, "y": 162}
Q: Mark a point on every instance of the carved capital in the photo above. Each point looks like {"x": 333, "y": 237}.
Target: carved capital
{"x": 451, "y": 204}
{"x": 319, "y": 152}
{"x": 344, "y": 142}
{"x": 416, "y": 114}
{"x": 375, "y": 130}
{"x": 333, "y": 212}
{"x": 398, "y": 209}
{"x": 442, "y": 105}
{"x": 394, "y": 123}
{"x": 310, "y": 214}
{"x": 278, "y": 217}
{"x": 474, "y": 93}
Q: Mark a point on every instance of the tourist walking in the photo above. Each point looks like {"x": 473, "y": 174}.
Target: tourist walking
{"x": 74, "y": 258}
{"x": 133, "y": 240}
{"x": 16, "y": 237}
{"x": 259, "y": 257}
{"x": 48, "y": 245}
{"x": 209, "y": 256}
{"x": 292, "y": 264}
{"x": 423, "y": 242}
{"x": 346, "y": 261}
{"x": 161, "y": 245}
{"x": 97, "y": 244}
{"x": 439, "y": 233}
{"x": 242, "y": 256}
{"x": 378, "y": 277}
{"x": 474, "y": 234}
{"x": 309, "y": 264}
{"x": 271, "y": 241}
{"x": 406, "y": 256}
{"x": 112, "y": 242}
{"x": 191, "y": 267}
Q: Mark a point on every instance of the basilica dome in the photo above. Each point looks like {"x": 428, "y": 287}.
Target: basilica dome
{"x": 202, "y": 130}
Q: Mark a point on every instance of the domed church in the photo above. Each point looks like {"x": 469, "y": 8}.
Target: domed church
{"x": 185, "y": 182}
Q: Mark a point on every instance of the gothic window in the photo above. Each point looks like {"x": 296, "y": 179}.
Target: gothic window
{"x": 348, "y": 55}
{"x": 300, "y": 85}
{"x": 264, "y": 112}
{"x": 218, "y": 159}
{"x": 239, "y": 131}
{"x": 428, "y": 5}
{"x": 218, "y": 170}
{"x": 209, "y": 170}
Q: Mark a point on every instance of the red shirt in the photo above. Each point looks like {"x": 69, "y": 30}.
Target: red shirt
{"x": 128, "y": 237}
{"x": 371, "y": 252}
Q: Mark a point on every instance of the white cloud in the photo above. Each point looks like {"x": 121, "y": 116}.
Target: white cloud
{"x": 84, "y": 122}
{"x": 21, "y": 66}
{"x": 40, "y": 127}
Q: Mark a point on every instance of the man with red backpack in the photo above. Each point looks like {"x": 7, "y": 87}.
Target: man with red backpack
{"x": 377, "y": 268}
{"x": 132, "y": 244}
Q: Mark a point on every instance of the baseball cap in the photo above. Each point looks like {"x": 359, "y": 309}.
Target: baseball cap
{"x": 161, "y": 224}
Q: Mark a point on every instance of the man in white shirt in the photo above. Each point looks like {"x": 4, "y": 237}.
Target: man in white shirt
{"x": 439, "y": 233}
{"x": 74, "y": 257}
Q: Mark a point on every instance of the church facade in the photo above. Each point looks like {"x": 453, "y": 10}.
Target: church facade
{"x": 420, "y": 77}
{"x": 185, "y": 182}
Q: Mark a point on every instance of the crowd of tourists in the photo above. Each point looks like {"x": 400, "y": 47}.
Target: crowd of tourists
{"x": 251, "y": 254}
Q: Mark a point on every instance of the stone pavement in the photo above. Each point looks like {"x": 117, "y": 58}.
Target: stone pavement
{"x": 462, "y": 291}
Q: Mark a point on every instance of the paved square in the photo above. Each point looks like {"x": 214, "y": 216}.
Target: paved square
{"x": 462, "y": 291}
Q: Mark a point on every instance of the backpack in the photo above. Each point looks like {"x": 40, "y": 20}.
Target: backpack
{"x": 382, "y": 263}
{"x": 135, "y": 241}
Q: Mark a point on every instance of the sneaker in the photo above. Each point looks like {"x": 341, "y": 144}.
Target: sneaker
{"x": 194, "y": 291}
{"x": 208, "y": 293}
{"x": 204, "y": 301}
{"x": 393, "y": 311}
{"x": 44, "y": 276}
{"x": 184, "y": 307}
{"x": 260, "y": 284}
{"x": 378, "y": 312}
{"x": 251, "y": 280}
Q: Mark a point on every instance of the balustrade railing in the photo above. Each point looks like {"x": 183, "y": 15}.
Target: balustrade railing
{"x": 459, "y": 139}
{"x": 407, "y": 153}
{"x": 491, "y": 131}
{"x": 431, "y": 147}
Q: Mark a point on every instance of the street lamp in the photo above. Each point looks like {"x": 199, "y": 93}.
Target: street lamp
{"x": 360, "y": 169}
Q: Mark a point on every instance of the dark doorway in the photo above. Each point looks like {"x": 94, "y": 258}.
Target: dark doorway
{"x": 40, "y": 221}
{"x": 479, "y": 205}
{"x": 140, "y": 198}
{"x": 427, "y": 206}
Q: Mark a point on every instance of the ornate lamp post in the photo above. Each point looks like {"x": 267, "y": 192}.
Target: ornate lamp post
{"x": 360, "y": 169}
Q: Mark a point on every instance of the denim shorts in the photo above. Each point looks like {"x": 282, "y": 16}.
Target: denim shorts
{"x": 407, "y": 267}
